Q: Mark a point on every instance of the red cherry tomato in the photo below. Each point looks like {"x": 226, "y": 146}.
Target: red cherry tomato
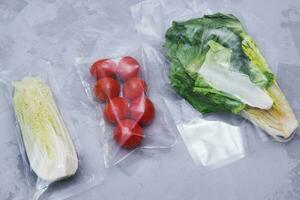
{"x": 134, "y": 88}
{"x": 128, "y": 67}
{"x": 142, "y": 110}
{"x": 103, "y": 68}
{"x": 128, "y": 134}
{"x": 116, "y": 110}
{"x": 106, "y": 88}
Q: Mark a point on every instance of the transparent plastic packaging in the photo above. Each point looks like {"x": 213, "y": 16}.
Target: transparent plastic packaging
{"x": 201, "y": 132}
{"x": 132, "y": 114}
{"x": 53, "y": 155}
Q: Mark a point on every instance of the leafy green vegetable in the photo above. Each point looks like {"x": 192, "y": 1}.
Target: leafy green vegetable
{"x": 217, "y": 67}
{"x": 218, "y": 71}
{"x": 48, "y": 145}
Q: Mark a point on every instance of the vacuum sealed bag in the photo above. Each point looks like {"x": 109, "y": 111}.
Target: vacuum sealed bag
{"x": 53, "y": 154}
{"x": 132, "y": 113}
{"x": 216, "y": 67}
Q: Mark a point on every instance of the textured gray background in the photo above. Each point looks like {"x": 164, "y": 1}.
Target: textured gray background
{"x": 61, "y": 30}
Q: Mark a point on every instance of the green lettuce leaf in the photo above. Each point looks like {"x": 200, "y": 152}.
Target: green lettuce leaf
{"x": 217, "y": 45}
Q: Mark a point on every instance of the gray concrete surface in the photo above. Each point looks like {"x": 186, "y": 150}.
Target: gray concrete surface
{"x": 59, "y": 31}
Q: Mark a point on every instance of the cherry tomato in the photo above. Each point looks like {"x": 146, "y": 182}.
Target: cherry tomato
{"x": 106, "y": 88}
{"x": 103, "y": 68}
{"x": 142, "y": 110}
{"x": 128, "y": 67}
{"x": 116, "y": 110}
{"x": 128, "y": 134}
{"x": 134, "y": 88}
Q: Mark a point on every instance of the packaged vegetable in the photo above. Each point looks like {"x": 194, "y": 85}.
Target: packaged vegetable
{"x": 48, "y": 145}
{"x": 217, "y": 67}
{"x": 52, "y": 160}
{"x": 214, "y": 77}
{"x": 132, "y": 114}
